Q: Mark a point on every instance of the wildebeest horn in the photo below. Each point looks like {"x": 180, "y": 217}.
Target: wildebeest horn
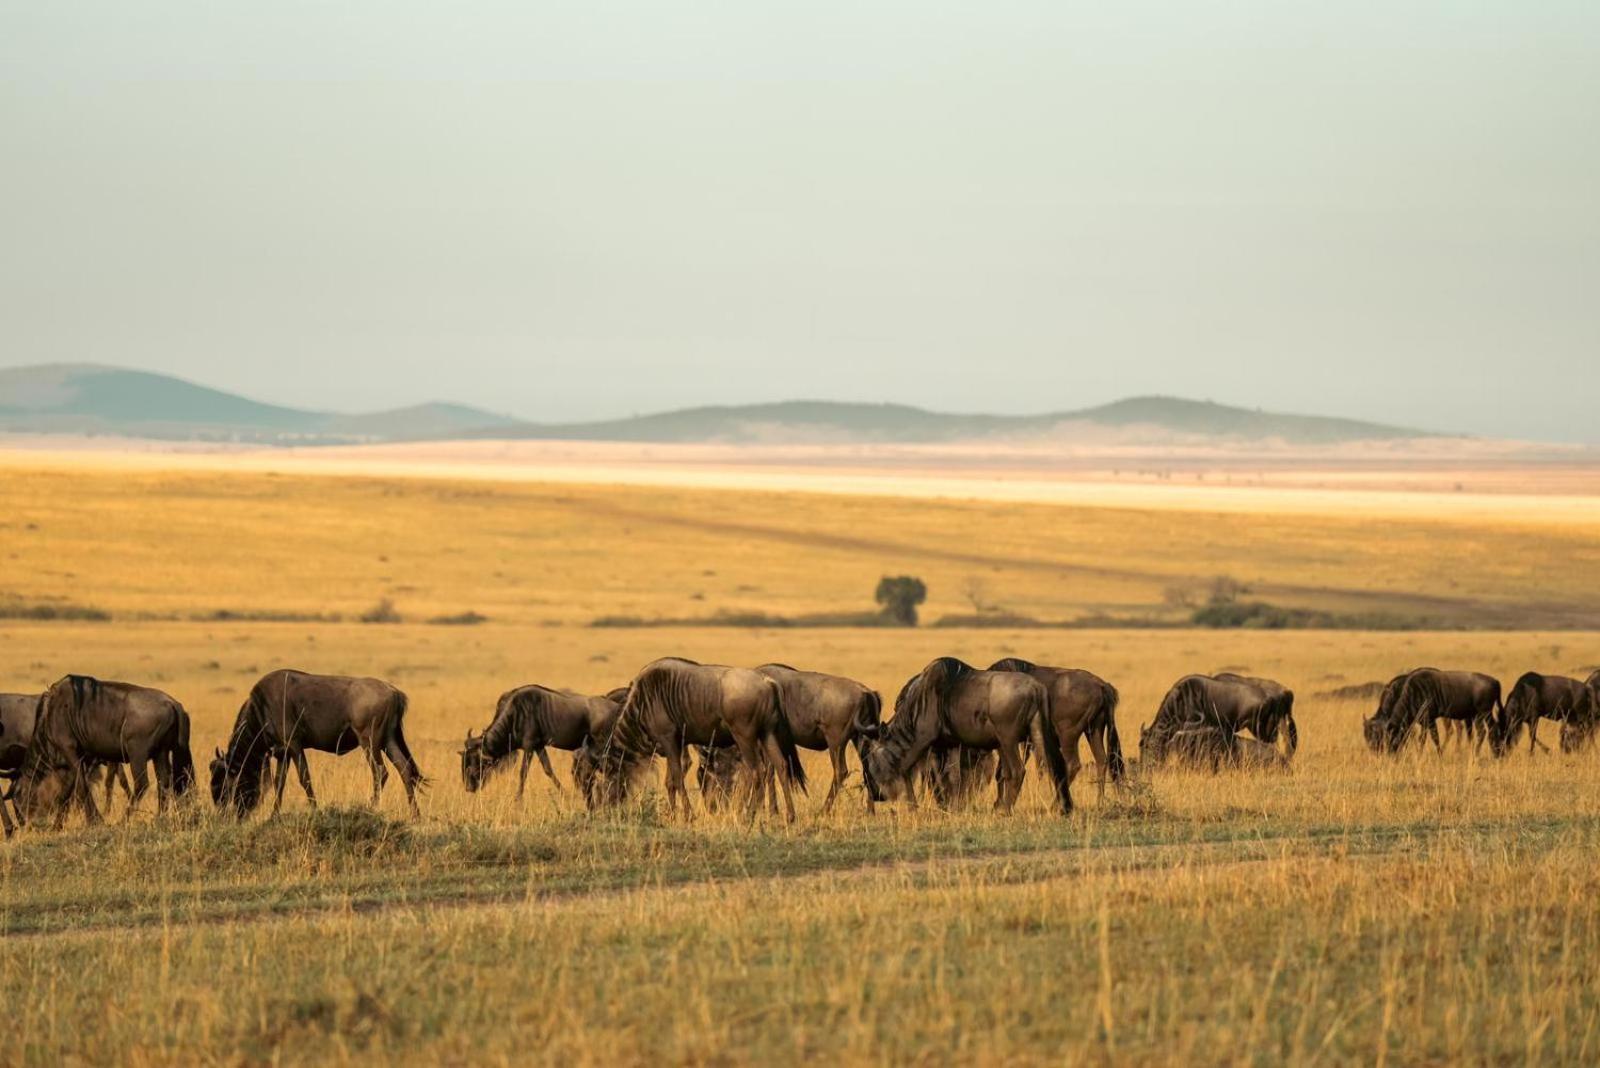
{"x": 219, "y": 754}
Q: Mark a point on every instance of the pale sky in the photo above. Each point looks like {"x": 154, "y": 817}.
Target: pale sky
{"x": 565, "y": 210}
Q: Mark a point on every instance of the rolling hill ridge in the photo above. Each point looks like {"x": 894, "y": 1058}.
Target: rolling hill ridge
{"x": 95, "y": 399}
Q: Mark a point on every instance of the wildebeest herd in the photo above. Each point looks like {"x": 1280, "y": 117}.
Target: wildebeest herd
{"x": 953, "y": 727}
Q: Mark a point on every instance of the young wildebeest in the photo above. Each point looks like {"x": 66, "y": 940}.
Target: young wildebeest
{"x": 1079, "y": 705}
{"x": 289, "y": 712}
{"x": 826, "y": 712}
{"x": 675, "y": 703}
{"x": 949, "y": 704}
{"x": 82, "y": 722}
{"x": 1535, "y": 697}
{"x": 532, "y": 719}
{"x": 1419, "y": 699}
{"x": 1218, "y": 708}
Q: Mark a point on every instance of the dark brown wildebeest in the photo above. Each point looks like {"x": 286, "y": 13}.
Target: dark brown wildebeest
{"x": 1417, "y": 700}
{"x": 532, "y": 719}
{"x": 82, "y": 722}
{"x": 1222, "y": 706}
{"x": 826, "y": 712}
{"x": 1578, "y": 729}
{"x": 1079, "y": 704}
{"x": 289, "y": 712}
{"x": 716, "y": 772}
{"x": 17, "y": 714}
{"x": 1534, "y": 697}
{"x": 949, "y": 704}
{"x": 675, "y": 703}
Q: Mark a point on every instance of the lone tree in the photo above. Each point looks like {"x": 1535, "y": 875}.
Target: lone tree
{"x": 900, "y": 596}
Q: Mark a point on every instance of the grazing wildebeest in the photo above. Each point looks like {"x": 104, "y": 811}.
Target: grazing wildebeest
{"x": 949, "y": 704}
{"x": 1221, "y": 705}
{"x": 1579, "y": 729}
{"x": 82, "y": 722}
{"x": 716, "y": 772}
{"x": 1079, "y": 704}
{"x": 1534, "y": 697}
{"x": 1419, "y": 699}
{"x": 289, "y": 712}
{"x": 532, "y": 719}
{"x": 674, "y": 703}
{"x": 826, "y": 712}
{"x": 17, "y": 714}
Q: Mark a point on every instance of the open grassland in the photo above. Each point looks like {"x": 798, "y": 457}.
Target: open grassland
{"x": 1425, "y": 909}
{"x": 185, "y": 544}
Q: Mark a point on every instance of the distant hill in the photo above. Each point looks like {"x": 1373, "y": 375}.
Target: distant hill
{"x": 92, "y": 399}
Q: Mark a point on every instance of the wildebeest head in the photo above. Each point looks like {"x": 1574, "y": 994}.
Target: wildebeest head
{"x": 878, "y": 773}
{"x": 475, "y": 764}
{"x": 1372, "y": 730}
{"x": 715, "y": 774}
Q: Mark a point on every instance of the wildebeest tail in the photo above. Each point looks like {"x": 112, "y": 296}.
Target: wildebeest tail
{"x": 182, "y": 759}
{"x": 1048, "y": 745}
{"x": 1116, "y": 766}
{"x": 869, "y": 713}
{"x": 401, "y": 703}
{"x": 785, "y": 736}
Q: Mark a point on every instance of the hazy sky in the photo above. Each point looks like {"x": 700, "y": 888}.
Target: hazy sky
{"x": 1385, "y": 209}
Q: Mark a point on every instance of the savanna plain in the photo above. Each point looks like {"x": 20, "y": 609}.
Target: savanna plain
{"x": 1430, "y": 908}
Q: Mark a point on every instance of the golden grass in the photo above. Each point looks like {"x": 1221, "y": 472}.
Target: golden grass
{"x": 185, "y": 543}
{"x": 1426, "y": 909}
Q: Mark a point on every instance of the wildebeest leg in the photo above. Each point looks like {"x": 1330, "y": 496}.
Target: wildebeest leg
{"x": 1097, "y": 746}
{"x": 91, "y": 815}
{"x": 280, "y": 779}
{"x": 840, "y": 770}
{"x": 5, "y": 818}
{"x": 410, "y": 774}
{"x": 675, "y": 775}
{"x": 775, "y": 762}
{"x": 522, "y": 772}
{"x": 1010, "y": 775}
{"x": 1433, "y": 732}
{"x": 163, "y": 766}
{"x": 302, "y": 767}
{"x": 379, "y": 775}
{"x": 544, "y": 762}
{"x": 1533, "y": 736}
{"x": 141, "y": 781}
{"x": 753, "y": 769}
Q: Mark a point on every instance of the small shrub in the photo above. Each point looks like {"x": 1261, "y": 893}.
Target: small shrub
{"x": 382, "y": 612}
{"x": 460, "y": 619}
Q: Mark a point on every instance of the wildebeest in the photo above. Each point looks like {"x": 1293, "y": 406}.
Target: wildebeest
{"x": 674, "y": 703}
{"x": 826, "y": 712}
{"x": 949, "y": 704}
{"x": 1079, "y": 704}
{"x": 532, "y": 719}
{"x": 1579, "y": 729}
{"x": 289, "y": 712}
{"x": 1222, "y": 705}
{"x": 1418, "y": 699}
{"x": 17, "y": 714}
{"x": 1534, "y": 697}
{"x": 82, "y": 722}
